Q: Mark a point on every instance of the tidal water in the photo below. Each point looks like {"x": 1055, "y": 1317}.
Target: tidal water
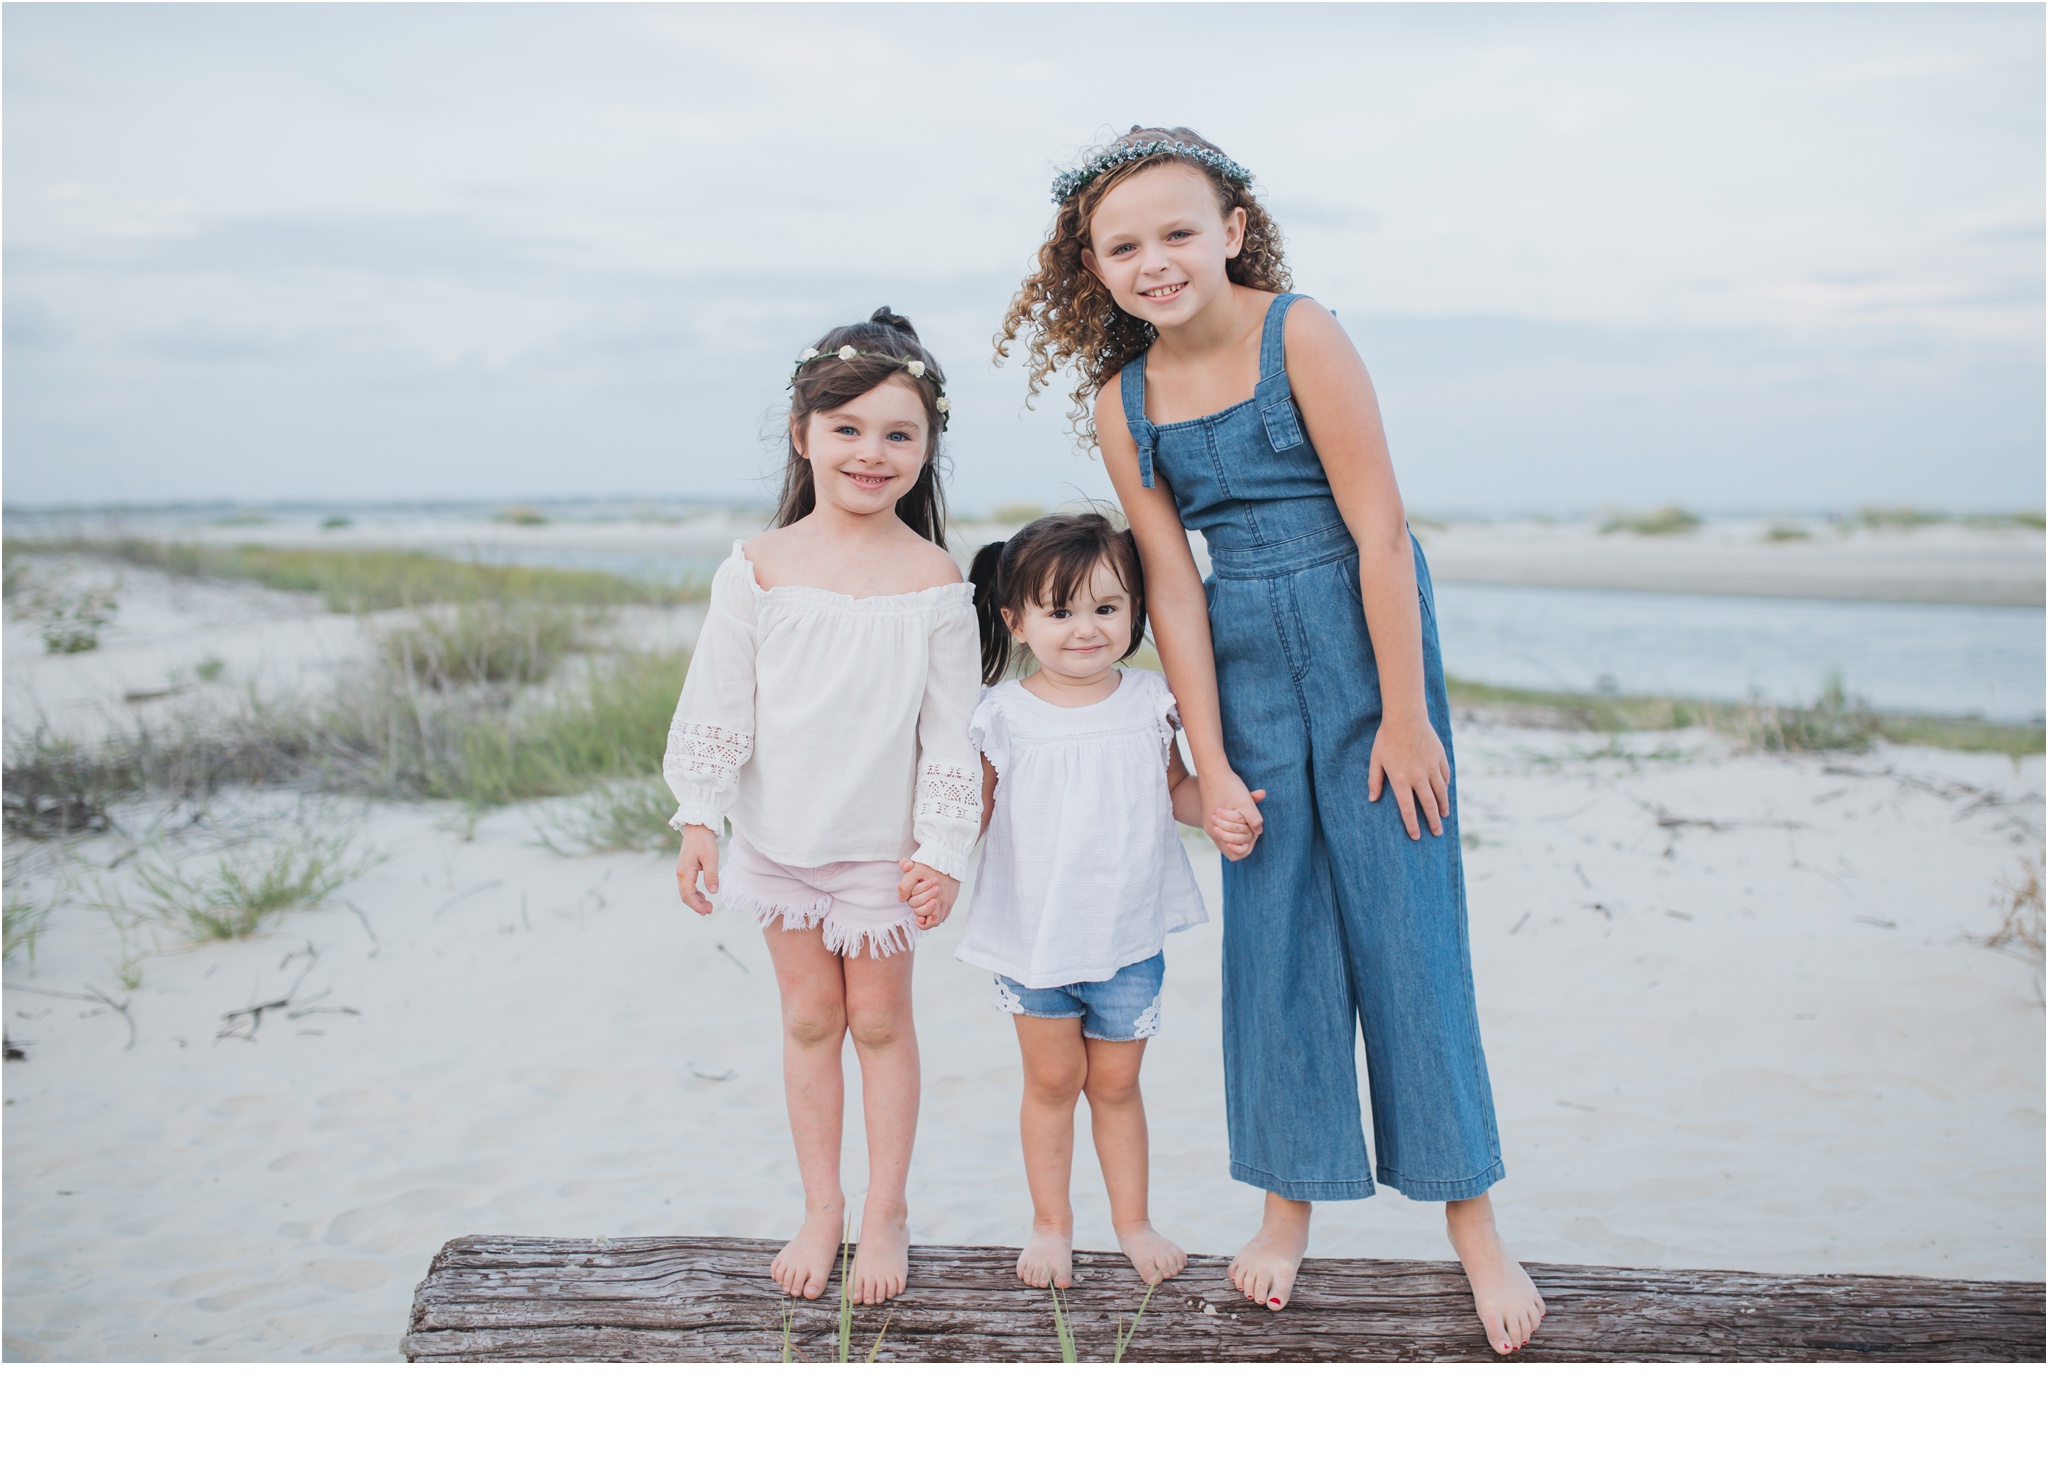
{"x": 1956, "y": 660}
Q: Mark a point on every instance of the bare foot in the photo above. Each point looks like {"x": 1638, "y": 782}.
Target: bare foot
{"x": 881, "y": 1264}
{"x": 804, "y": 1267}
{"x": 1265, "y": 1268}
{"x": 1047, "y": 1259}
{"x": 1508, "y": 1304}
{"x": 1153, "y": 1255}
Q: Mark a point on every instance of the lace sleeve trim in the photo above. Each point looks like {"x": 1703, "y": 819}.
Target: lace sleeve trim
{"x": 949, "y": 791}
{"x": 706, "y": 750}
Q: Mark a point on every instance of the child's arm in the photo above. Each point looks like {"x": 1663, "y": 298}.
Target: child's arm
{"x": 924, "y": 888}
{"x": 1233, "y": 835}
{"x": 712, "y": 733}
{"x": 949, "y": 812}
{"x": 1342, "y": 416}
{"x": 1176, "y": 607}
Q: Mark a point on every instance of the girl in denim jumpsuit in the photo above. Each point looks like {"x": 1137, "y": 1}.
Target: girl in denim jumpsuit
{"x": 1309, "y": 681}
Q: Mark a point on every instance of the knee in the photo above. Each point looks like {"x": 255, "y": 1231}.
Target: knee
{"x": 876, "y": 1029}
{"x": 1111, "y": 1091}
{"x": 813, "y": 1027}
{"x": 1054, "y": 1084}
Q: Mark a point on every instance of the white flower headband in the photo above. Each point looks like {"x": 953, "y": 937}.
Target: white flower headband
{"x": 1074, "y": 180}
{"x": 847, "y": 353}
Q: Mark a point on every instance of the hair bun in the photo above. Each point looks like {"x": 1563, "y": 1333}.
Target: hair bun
{"x": 884, "y": 316}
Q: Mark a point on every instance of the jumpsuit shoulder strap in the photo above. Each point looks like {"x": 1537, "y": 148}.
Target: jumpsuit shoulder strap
{"x": 1274, "y": 396}
{"x": 1143, "y": 433}
{"x": 1273, "y": 346}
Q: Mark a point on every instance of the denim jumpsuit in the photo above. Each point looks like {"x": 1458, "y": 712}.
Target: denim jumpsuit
{"x": 1337, "y": 919}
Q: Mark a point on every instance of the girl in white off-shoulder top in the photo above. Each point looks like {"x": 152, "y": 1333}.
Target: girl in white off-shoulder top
{"x": 825, "y": 714}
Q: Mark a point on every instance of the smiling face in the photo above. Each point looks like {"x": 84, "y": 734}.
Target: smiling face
{"x": 866, "y": 454}
{"x": 1159, "y": 240}
{"x": 1079, "y": 643}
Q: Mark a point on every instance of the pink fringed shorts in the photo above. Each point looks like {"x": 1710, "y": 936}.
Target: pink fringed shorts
{"x": 855, "y": 900}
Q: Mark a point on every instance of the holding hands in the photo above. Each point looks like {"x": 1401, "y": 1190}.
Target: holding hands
{"x": 1230, "y": 814}
{"x": 929, "y": 894}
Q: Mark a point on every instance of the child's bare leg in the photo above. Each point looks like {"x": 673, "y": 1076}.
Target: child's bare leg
{"x": 1264, "y": 1270}
{"x": 1116, "y": 1117}
{"x": 1508, "y": 1303}
{"x": 878, "y": 1014}
{"x": 813, "y": 987}
{"x": 1055, "y": 1067}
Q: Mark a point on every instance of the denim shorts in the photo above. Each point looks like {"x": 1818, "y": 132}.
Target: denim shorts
{"x": 1119, "y": 1009}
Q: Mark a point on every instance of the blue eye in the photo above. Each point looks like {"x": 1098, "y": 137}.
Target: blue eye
{"x": 899, "y": 436}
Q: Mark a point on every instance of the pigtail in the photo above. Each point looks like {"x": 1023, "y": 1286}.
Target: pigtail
{"x": 985, "y": 575}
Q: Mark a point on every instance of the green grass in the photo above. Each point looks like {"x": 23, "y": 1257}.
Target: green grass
{"x": 1062, "y": 1328}
{"x": 374, "y": 579}
{"x": 1670, "y": 519}
{"x": 1906, "y": 516}
{"x": 515, "y": 641}
{"x": 23, "y": 922}
{"x": 1831, "y": 722}
{"x": 240, "y": 894}
{"x": 481, "y": 745}
{"x": 1125, "y": 1334}
{"x": 631, "y": 814}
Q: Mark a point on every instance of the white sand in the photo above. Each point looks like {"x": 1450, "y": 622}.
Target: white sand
{"x": 1770, "y": 1044}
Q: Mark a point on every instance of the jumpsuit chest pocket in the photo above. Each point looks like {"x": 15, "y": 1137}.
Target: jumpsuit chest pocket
{"x": 1276, "y": 411}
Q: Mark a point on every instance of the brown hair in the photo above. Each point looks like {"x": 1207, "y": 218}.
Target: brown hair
{"x": 1068, "y": 317}
{"x": 1048, "y": 563}
{"x": 827, "y": 382}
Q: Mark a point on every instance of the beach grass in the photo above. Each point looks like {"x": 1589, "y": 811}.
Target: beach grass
{"x": 1831, "y": 723}
{"x": 626, "y": 814}
{"x": 483, "y": 746}
{"x": 517, "y": 641}
{"x": 23, "y": 921}
{"x": 242, "y": 892}
{"x": 1062, "y": 1327}
{"x": 1671, "y": 519}
{"x": 352, "y": 580}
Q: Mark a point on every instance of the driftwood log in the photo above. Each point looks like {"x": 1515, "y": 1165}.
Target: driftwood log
{"x": 710, "y": 1299}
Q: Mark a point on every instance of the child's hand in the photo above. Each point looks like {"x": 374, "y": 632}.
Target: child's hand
{"x": 929, "y": 894}
{"x": 1232, "y": 832}
{"x": 699, "y": 853}
{"x": 1234, "y": 822}
{"x": 1408, "y": 761}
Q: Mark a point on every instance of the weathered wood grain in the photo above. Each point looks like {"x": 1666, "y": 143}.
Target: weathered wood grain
{"x": 710, "y": 1299}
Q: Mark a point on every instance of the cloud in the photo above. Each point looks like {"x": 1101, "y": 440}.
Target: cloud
{"x": 1784, "y": 255}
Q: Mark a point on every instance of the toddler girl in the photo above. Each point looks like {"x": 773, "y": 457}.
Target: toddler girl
{"x": 825, "y": 712}
{"x": 1307, "y": 666}
{"x": 1083, "y": 875}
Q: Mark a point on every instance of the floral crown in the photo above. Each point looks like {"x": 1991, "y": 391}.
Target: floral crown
{"x": 847, "y": 353}
{"x": 1074, "y": 180}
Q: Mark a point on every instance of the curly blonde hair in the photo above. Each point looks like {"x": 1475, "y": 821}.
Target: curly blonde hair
{"x": 1068, "y": 318}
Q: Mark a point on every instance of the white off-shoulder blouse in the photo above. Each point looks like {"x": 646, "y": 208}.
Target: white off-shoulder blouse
{"x": 831, "y": 728}
{"x": 1083, "y": 871}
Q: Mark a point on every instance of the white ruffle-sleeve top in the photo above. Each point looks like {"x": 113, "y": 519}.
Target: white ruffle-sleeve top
{"x": 831, "y": 728}
{"x": 1083, "y": 871}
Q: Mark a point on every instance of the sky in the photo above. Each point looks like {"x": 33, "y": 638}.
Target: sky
{"x": 1741, "y": 258}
